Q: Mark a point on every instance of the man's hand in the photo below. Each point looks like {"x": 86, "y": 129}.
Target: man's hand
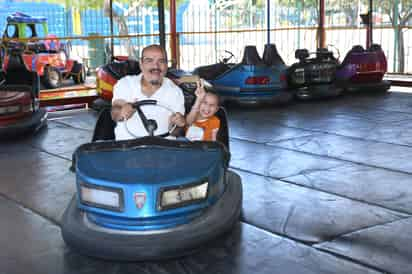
{"x": 177, "y": 119}
{"x": 122, "y": 111}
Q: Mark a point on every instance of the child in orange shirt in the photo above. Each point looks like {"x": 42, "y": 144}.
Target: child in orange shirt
{"x": 202, "y": 121}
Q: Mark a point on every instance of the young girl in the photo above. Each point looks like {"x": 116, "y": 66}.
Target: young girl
{"x": 202, "y": 122}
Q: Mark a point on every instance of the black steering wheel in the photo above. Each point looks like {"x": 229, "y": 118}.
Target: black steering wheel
{"x": 225, "y": 60}
{"x": 149, "y": 124}
{"x": 335, "y": 51}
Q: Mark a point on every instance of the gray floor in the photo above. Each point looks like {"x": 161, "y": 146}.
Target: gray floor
{"x": 326, "y": 190}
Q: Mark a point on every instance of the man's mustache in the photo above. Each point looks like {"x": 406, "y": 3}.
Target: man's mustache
{"x": 155, "y": 70}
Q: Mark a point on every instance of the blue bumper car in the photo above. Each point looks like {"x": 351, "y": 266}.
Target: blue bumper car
{"x": 150, "y": 198}
{"x": 252, "y": 80}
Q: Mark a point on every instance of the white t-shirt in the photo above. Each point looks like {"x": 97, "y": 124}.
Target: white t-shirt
{"x": 129, "y": 89}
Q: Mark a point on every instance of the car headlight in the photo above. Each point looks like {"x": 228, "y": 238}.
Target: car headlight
{"x": 27, "y": 108}
{"x": 102, "y": 197}
{"x": 299, "y": 76}
{"x": 181, "y": 196}
{"x": 9, "y": 109}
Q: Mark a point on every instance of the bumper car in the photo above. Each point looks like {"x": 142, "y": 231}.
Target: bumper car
{"x": 363, "y": 70}
{"x": 108, "y": 75}
{"x": 253, "y": 80}
{"x": 19, "y": 98}
{"x": 314, "y": 77}
{"x": 150, "y": 198}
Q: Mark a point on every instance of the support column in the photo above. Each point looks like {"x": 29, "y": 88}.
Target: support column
{"x": 161, "y": 13}
{"x": 173, "y": 36}
{"x": 396, "y": 29}
{"x": 111, "y": 32}
{"x": 268, "y": 20}
{"x": 321, "y": 28}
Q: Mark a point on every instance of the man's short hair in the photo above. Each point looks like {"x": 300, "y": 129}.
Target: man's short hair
{"x": 154, "y": 46}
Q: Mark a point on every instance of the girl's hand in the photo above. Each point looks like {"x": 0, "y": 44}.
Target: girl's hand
{"x": 200, "y": 91}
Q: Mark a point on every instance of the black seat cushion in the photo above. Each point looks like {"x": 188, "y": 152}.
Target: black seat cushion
{"x": 17, "y": 74}
{"x": 357, "y": 48}
{"x": 251, "y": 56}
{"x": 104, "y": 129}
{"x": 271, "y": 56}
{"x": 223, "y": 132}
{"x": 375, "y": 47}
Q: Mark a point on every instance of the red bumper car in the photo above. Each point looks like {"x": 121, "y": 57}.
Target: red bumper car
{"x": 19, "y": 99}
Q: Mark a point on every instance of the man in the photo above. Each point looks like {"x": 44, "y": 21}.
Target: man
{"x": 152, "y": 84}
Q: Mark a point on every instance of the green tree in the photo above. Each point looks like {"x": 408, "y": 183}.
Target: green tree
{"x": 400, "y": 14}
{"x": 120, "y": 14}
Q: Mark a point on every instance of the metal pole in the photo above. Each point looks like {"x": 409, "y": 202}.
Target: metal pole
{"x": 396, "y": 29}
{"x": 111, "y": 32}
{"x": 299, "y": 7}
{"x": 321, "y": 28}
{"x": 268, "y": 20}
{"x": 173, "y": 37}
{"x": 161, "y": 12}
{"x": 371, "y": 22}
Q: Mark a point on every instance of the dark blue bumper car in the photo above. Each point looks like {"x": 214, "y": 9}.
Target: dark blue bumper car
{"x": 313, "y": 76}
{"x": 150, "y": 198}
{"x": 253, "y": 80}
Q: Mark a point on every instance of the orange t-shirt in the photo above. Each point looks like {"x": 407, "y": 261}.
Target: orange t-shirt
{"x": 208, "y": 126}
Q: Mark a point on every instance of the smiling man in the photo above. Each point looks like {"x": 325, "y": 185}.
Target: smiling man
{"x": 152, "y": 84}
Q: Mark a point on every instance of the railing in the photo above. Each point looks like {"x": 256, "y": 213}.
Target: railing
{"x": 207, "y": 47}
{"x": 201, "y": 48}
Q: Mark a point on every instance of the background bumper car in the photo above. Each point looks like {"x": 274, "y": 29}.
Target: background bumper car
{"x": 150, "y": 198}
{"x": 19, "y": 99}
{"x": 314, "y": 77}
{"x": 363, "y": 70}
{"x": 48, "y": 57}
{"x": 253, "y": 80}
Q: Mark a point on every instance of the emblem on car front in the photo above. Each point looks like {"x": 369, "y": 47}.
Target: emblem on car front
{"x": 139, "y": 199}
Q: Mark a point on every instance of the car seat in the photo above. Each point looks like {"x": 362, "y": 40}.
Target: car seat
{"x": 375, "y": 47}
{"x": 354, "y": 49}
{"x": 357, "y": 48}
{"x": 271, "y": 56}
{"x": 301, "y": 54}
{"x": 18, "y": 77}
{"x": 251, "y": 56}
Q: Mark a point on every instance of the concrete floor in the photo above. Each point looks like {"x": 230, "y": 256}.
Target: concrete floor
{"x": 326, "y": 190}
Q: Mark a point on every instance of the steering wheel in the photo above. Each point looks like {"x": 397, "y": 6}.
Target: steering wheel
{"x": 27, "y": 50}
{"x": 149, "y": 124}
{"x": 334, "y": 50}
{"x": 225, "y": 60}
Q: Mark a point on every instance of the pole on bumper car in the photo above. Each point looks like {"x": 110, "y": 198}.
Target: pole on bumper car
{"x": 161, "y": 11}
{"x": 111, "y": 32}
{"x": 370, "y": 23}
{"x": 173, "y": 36}
{"x": 268, "y": 20}
{"x": 321, "y": 27}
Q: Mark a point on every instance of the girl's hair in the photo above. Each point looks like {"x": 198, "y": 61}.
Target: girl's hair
{"x": 214, "y": 93}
